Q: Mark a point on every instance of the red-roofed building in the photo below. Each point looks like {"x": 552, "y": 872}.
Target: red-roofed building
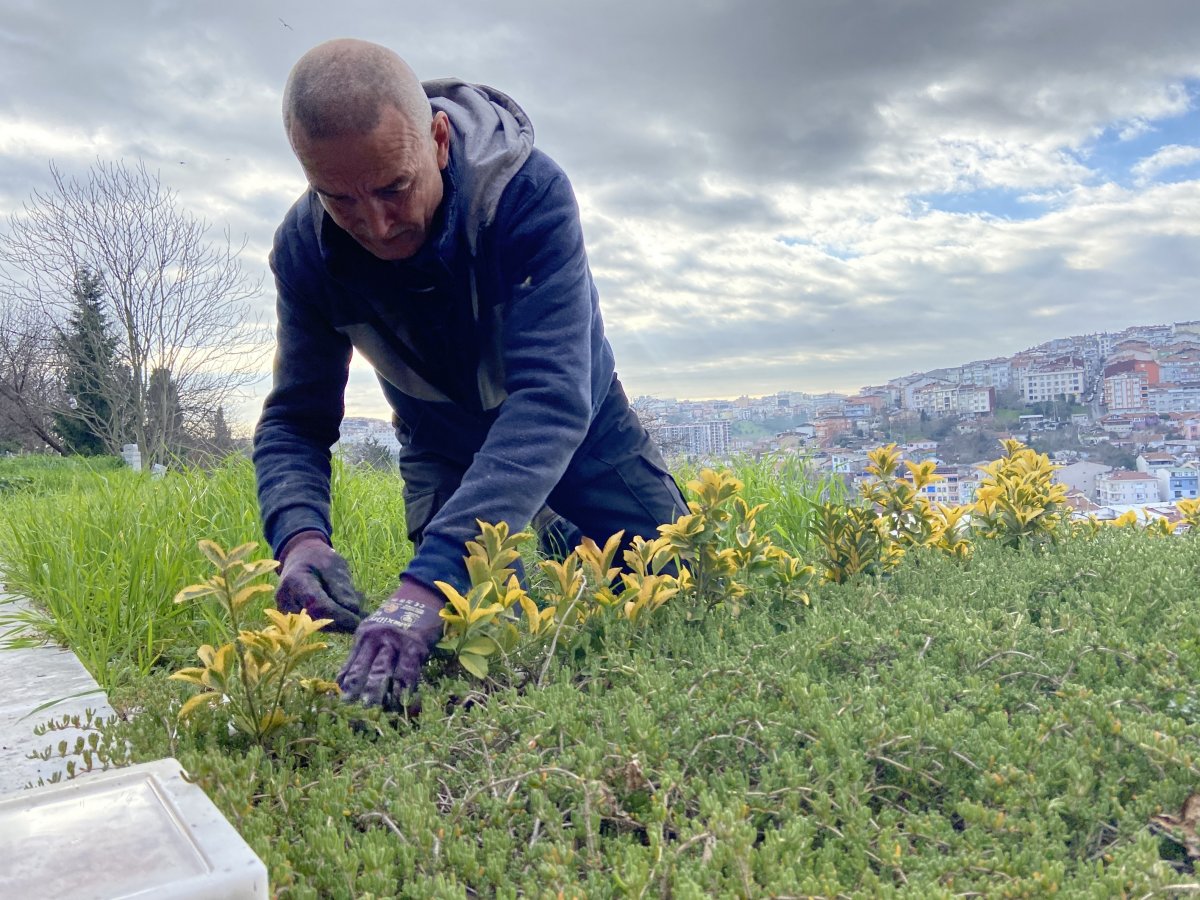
{"x": 1125, "y": 487}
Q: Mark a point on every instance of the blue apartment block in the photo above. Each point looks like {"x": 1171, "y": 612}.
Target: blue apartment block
{"x": 1181, "y": 484}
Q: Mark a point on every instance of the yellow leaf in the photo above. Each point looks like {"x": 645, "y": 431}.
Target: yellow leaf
{"x": 194, "y": 592}
{"x": 213, "y": 551}
{"x": 244, "y": 595}
{"x": 197, "y": 701}
{"x": 190, "y": 675}
{"x": 531, "y": 613}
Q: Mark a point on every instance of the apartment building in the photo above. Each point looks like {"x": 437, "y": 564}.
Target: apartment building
{"x": 942, "y": 399}
{"x": 1169, "y": 397}
{"x": 1052, "y": 379}
{"x": 1127, "y": 390}
{"x": 1121, "y": 487}
{"x": 1178, "y": 483}
{"x": 700, "y": 438}
{"x": 993, "y": 373}
{"x": 958, "y": 486}
{"x": 1181, "y": 366}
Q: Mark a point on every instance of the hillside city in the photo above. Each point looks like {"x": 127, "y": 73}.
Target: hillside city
{"x": 1119, "y": 412}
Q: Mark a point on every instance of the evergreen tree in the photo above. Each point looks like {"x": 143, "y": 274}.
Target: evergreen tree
{"x": 222, "y": 434}
{"x": 164, "y": 415}
{"x": 88, "y": 351}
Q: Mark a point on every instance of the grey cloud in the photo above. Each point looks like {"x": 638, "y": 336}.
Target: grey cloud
{"x": 644, "y": 104}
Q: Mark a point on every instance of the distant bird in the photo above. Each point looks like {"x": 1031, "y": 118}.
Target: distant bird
{"x": 286, "y": 25}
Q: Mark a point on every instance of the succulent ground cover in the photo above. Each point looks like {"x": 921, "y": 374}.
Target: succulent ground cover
{"x": 1017, "y": 721}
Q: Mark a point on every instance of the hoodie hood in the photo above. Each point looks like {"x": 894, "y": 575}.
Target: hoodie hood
{"x": 492, "y": 139}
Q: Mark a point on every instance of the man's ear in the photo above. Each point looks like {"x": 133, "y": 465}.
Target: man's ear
{"x": 440, "y": 129}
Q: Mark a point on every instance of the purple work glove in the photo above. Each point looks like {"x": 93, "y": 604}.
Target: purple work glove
{"x": 391, "y": 645}
{"x": 313, "y": 577}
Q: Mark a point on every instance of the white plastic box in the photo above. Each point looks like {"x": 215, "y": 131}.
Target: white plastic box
{"x": 141, "y": 831}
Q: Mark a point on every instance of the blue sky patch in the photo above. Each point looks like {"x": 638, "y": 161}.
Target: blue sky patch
{"x": 1000, "y": 203}
{"x": 1113, "y": 159}
{"x": 837, "y": 251}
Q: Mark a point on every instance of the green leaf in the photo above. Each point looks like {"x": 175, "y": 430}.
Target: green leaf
{"x": 475, "y": 664}
{"x": 482, "y": 645}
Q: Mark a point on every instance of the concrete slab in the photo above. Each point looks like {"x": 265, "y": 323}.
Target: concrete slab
{"x": 40, "y": 684}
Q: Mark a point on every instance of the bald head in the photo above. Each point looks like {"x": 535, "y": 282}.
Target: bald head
{"x": 341, "y": 87}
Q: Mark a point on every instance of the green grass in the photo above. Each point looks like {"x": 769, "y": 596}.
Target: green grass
{"x": 1006, "y": 727}
{"x": 102, "y": 554}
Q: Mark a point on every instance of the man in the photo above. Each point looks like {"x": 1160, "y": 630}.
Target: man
{"x": 438, "y": 242}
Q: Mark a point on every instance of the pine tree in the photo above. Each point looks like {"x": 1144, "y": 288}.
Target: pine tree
{"x": 222, "y": 434}
{"x": 164, "y": 415}
{"x": 88, "y": 352}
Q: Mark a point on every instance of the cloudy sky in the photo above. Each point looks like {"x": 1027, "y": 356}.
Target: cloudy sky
{"x": 776, "y": 195}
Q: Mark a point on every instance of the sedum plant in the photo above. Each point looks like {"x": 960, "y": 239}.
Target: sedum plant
{"x": 253, "y": 676}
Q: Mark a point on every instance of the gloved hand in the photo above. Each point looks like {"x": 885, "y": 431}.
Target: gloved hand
{"x": 391, "y": 646}
{"x": 314, "y": 577}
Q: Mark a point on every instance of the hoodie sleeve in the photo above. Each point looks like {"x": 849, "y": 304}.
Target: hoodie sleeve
{"x": 301, "y": 415}
{"x": 551, "y": 328}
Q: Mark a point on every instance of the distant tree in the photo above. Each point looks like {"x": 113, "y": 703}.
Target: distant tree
{"x": 222, "y": 435}
{"x": 90, "y": 374}
{"x": 1117, "y": 457}
{"x": 370, "y": 453}
{"x": 178, "y": 302}
{"x": 29, "y": 388}
{"x": 164, "y": 415}
{"x": 657, "y": 426}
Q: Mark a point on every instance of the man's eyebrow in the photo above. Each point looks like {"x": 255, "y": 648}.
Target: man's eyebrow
{"x": 396, "y": 183}
{"x": 330, "y": 194}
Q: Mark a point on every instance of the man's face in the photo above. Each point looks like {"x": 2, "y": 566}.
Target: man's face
{"x": 384, "y": 187}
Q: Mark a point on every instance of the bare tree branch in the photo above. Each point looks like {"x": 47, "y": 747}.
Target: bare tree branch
{"x": 178, "y": 301}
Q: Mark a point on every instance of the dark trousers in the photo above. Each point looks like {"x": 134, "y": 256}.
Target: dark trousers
{"x": 616, "y": 481}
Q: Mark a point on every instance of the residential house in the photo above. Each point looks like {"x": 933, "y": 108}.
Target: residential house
{"x": 1116, "y": 424}
{"x": 828, "y": 427}
{"x": 1153, "y": 463}
{"x": 1080, "y": 477}
{"x": 1124, "y": 487}
{"x": 1179, "y": 483}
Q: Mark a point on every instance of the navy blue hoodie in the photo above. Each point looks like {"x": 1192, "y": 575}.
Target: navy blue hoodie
{"x": 488, "y": 344}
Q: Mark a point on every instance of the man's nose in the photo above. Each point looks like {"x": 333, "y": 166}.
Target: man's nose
{"x": 379, "y": 219}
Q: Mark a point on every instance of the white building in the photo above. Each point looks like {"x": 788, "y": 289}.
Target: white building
{"x": 940, "y": 399}
{"x": 1123, "y": 486}
{"x": 700, "y": 439}
{"x": 1051, "y": 380}
{"x": 1126, "y": 391}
